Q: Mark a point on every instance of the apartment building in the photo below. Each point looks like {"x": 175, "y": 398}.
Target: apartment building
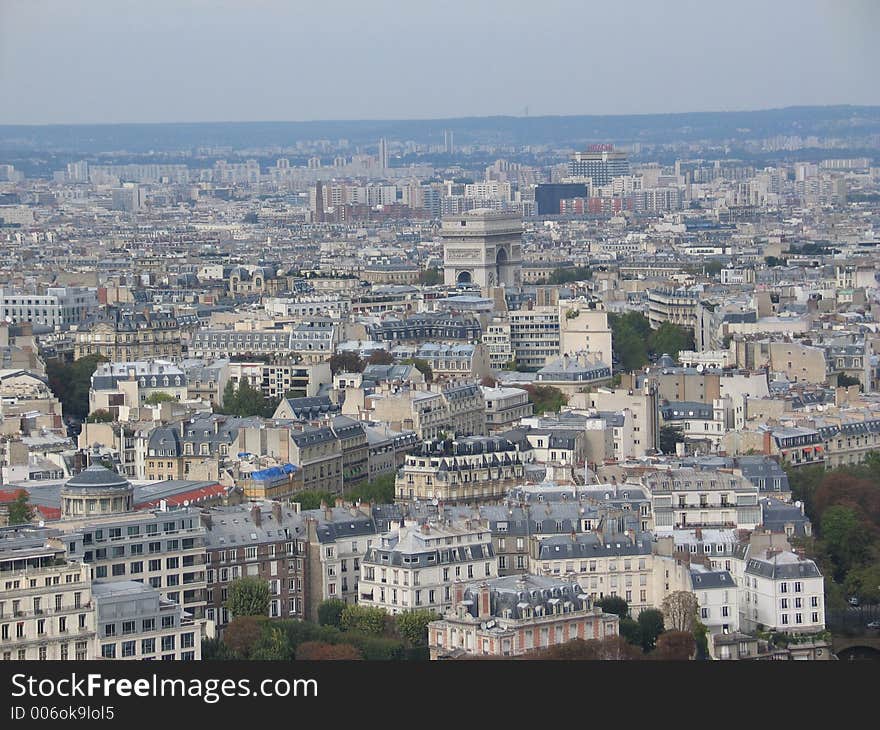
{"x": 702, "y": 498}
{"x": 131, "y": 384}
{"x": 338, "y": 539}
{"x": 469, "y": 469}
{"x": 534, "y": 336}
{"x": 610, "y": 564}
{"x": 505, "y": 407}
{"x": 514, "y": 615}
{"x": 281, "y": 378}
{"x": 454, "y": 409}
{"x": 46, "y": 610}
{"x": 415, "y": 566}
{"x": 203, "y": 441}
{"x": 163, "y": 549}
{"x": 59, "y": 308}
{"x": 259, "y": 539}
{"x": 126, "y": 336}
{"x": 780, "y": 591}
{"x": 134, "y": 622}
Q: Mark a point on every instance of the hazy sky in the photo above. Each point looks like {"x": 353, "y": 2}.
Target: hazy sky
{"x": 79, "y": 61}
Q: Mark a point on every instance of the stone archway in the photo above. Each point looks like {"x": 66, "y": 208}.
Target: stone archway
{"x": 464, "y": 277}
{"x": 500, "y": 262}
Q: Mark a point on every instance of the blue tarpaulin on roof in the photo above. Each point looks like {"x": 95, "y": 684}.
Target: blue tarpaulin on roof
{"x": 273, "y": 472}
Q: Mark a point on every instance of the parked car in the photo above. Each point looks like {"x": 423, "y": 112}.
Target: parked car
{"x": 853, "y": 601}
{"x": 874, "y": 624}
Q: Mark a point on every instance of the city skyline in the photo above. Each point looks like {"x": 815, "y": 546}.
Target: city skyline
{"x": 261, "y": 62}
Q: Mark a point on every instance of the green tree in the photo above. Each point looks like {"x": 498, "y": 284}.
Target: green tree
{"x": 346, "y": 362}
{"x": 631, "y": 631}
{"x": 701, "y": 639}
{"x": 363, "y": 619}
{"x": 413, "y": 626}
{"x": 70, "y": 382}
{"x": 864, "y": 583}
{"x": 313, "y": 500}
{"x": 844, "y": 538}
{"x": 546, "y": 398}
{"x": 217, "y": 650}
{"x": 272, "y": 645}
{"x": 614, "y": 604}
{"x": 845, "y": 381}
{"x": 158, "y": 397}
{"x": 330, "y": 612}
{"x": 101, "y": 415}
{"x": 630, "y": 333}
{"x": 651, "y": 625}
{"x": 248, "y": 596}
{"x": 430, "y": 277}
{"x": 669, "y": 437}
{"x": 423, "y": 366}
{"x": 20, "y": 510}
{"x": 245, "y": 400}
{"x": 380, "y": 357}
{"x": 569, "y": 274}
{"x": 378, "y": 491}
{"x": 670, "y": 339}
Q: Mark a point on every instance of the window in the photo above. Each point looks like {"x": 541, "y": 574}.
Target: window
{"x": 814, "y": 601}
{"x": 128, "y": 627}
{"x": 128, "y": 648}
{"x": 149, "y": 624}
{"x": 110, "y": 630}
{"x": 704, "y": 613}
{"x": 168, "y": 622}
{"x": 168, "y": 643}
{"x": 108, "y": 651}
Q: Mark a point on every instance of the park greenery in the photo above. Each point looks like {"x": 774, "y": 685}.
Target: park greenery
{"x": 246, "y": 400}
{"x": 843, "y": 505}
{"x": 70, "y": 382}
{"x": 248, "y": 596}
{"x": 158, "y": 397}
{"x": 635, "y": 343}
{"x": 343, "y": 631}
{"x": 378, "y": 491}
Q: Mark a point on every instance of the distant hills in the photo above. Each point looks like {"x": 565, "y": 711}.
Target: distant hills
{"x": 824, "y": 121}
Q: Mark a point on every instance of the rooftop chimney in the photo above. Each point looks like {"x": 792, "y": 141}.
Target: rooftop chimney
{"x": 256, "y": 515}
{"x": 276, "y": 511}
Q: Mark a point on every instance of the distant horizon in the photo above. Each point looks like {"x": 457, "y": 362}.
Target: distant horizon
{"x": 355, "y": 120}
{"x": 90, "y": 62}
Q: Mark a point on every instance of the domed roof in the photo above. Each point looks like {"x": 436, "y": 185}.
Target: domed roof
{"x": 97, "y": 477}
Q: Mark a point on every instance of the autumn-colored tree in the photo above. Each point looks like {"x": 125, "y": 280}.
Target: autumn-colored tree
{"x": 675, "y": 646}
{"x": 243, "y": 633}
{"x": 319, "y": 651}
{"x": 488, "y": 382}
{"x": 680, "y": 611}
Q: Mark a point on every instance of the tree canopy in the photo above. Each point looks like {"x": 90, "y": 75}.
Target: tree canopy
{"x": 546, "y": 398}
{"x": 20, "y": 510}
{"x": 70, "y": 382}
{"x": 248, "y": 596}
{"x": 245, "y": 400}
{"x": 346, "y": 362}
